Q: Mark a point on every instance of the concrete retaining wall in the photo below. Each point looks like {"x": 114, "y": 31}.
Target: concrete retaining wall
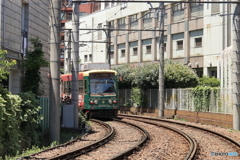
{"x": 222, "y": 120}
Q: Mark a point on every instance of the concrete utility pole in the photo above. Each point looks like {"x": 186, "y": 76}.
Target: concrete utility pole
{"x": 75, "y": 60}
{"x": 54, "y": 23}
{"x": 108, "y": 43}
{"x": 161, "y": 61}
{"x": 236, "y": 65}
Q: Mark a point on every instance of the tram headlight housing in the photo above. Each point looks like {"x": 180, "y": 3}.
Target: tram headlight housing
{"x": 91, "y": 102}
{"x": 114, "y": 101}
{"x": 110, "y": 101}
{"x": 95, "y": 101}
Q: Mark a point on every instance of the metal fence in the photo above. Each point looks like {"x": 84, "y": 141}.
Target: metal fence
{"x": 218, "y": 101}
{"x": 45, "y": 109}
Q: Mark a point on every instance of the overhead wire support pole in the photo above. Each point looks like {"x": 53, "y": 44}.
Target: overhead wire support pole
{"x": 75, "y": 61}
{"x": 236, "y": 65}
{"x": 54, "y": 23}
{"x": 108, "y": 43}
{"x": 161, "y": 62}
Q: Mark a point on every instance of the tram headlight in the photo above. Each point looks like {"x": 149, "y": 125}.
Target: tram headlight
{"x": 96, "y": 102}
{"x": 110, "y": 102}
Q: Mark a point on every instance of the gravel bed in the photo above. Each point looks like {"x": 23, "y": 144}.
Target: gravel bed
{"x": 208, "y": 143}
{"x": 97, "y": 133}
{"x": 163, "y": 144}
{"x": 126, "y": 137}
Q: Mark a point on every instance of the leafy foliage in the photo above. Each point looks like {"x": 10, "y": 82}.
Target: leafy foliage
{"x": 32, "y": 64}
{"x": 201, "y": 97}
{"x": 179, "y": 76}
{"x": 207, "y": 81}
{"x": 175, "y": 76}
{"x": 30, "y": 118}
{"x": 146, "y": 76}
{"x": 126, "y": 75}
{"x": 137, "y": 97}
{"x": 5, "y": 64}
{"x": 10, "y": 114}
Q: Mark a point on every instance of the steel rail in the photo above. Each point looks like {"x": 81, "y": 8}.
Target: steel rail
{"x": 183, "y": 124}
{"x": 75, "y": 153}
{"x": 144, "y": 140}
{"x": 193, "y": 144}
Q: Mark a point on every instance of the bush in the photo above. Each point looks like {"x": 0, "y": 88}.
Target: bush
{"x": 179, "y": 76}
{"x": 30, "y": 126}
{"x": 210, "y": 82}
{"x": 10, "y": 120}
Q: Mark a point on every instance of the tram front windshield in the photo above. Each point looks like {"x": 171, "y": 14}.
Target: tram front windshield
{"x": 102, "y": 86}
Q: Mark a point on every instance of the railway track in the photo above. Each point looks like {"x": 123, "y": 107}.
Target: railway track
{"x": 114, "y": 144}
{"x": 129, "y": 137}
{"x": 100, "y": 133}
{"x": 209, "y": 143}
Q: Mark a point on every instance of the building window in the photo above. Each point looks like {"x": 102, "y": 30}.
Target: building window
{"x": 147, "y": 20}
{"x": 82, "y": 13}
{"x": 123, "y": 53}
{"x": 112, "y": 54}
{"x": 90, "y": 57}
{"x": 99, "y": 31}
{"x": 215, "y": 7}
{"x": 199, "y": 72}
{"x": 198, "y": 42}
{"x": 135, "y": 51}
{"x": 111, "y": 23}
{"x": 180, "y": 44}
{"x": 197, "y": 3}
{"x": 24, "y": 27}
{"x": 148, "y": 49}
{"x": 164, "y": 47}
{"x": 133, "y": 21}
{"x": 85, "y": 58}
{"x": 121, "y": 25}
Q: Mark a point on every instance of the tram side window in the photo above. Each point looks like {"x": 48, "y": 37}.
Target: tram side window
{"x": 85, "y": 86}
{"x": 81, "y": 87}
{"x": 69, "y": 86}
{"x": 65, "y": 87}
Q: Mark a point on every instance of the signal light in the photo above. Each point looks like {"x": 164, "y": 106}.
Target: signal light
{"x": 115, "y": 101}
{"x": 91, "y": 102}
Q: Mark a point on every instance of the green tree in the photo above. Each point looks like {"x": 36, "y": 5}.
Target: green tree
{"x": 32, "y": 64}
{"x": 5, "y": 65}
{"x": 126, "y": 75}
{"x": 177, "y": 75}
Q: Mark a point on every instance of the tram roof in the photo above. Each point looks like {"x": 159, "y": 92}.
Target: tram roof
{"x": 86, "y": 73}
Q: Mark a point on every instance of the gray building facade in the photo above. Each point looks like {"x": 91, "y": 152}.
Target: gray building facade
{"x": 22, "y": 20}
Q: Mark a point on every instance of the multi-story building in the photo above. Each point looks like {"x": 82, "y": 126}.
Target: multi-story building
{"x": 66, "y": 15}
{"x": 21, "y": 20}
{"x": 195, "y": 34}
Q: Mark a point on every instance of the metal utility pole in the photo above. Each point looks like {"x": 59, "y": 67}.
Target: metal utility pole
{"x": 161, "y": 61}
{"x": 75, "y": 60}
{"x": 54, "y": 23}
{"x": 236, "y": 65}
{"x": 108, "y": 44}
{"x": 69, "y": 51}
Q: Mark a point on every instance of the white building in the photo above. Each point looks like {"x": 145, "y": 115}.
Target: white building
{"x": 196, "y": 34}
{"x": 20, "y": 21}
